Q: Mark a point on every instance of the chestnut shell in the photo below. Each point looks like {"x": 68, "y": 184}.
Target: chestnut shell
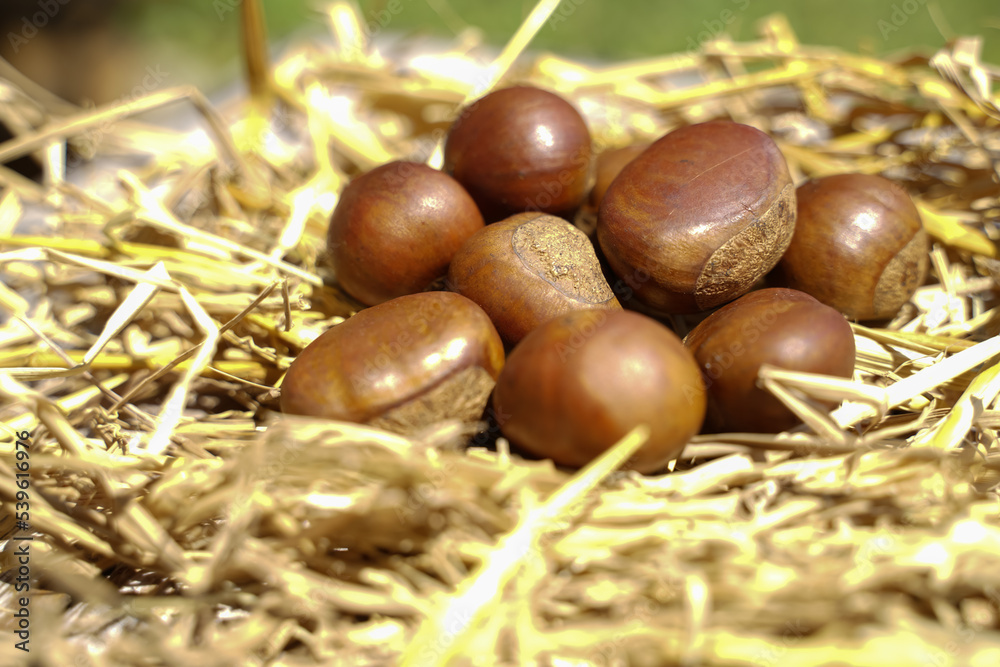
{"x": 389, "y": 354}
{"x": 396, "y": 228}
{"x": 609, "y": 164}
{"x": 527, "y": 269}
{"x": 699, "y": 216}
{"x": 520, "y": 149}
{"x": 777, "y": 326}
{"x": 580, "y": 382}
{"x": 859, "y": 245}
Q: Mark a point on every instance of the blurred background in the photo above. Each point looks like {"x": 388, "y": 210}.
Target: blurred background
{"x": 94, "y": 51}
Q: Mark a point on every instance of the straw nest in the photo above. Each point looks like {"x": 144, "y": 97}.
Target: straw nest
{"x": 153, "y": 299}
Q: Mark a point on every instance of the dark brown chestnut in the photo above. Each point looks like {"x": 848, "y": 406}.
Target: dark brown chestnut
{"x": 578, "y": 383}
{"x": 527, "y": 269}
{"x": 859, "y": 245}
{"x": 401, "y": 364}
{"x": 609, "y": 165}
{"x": 520, "y": 149}
{"x": 699, "y": 216}
{"x": 782, "y": 327}
{"x": 395, "y": 229}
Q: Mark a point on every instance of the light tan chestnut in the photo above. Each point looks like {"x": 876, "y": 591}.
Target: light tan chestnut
{"x": 401, "y": 365}
{"x": 699, "y": 216}
{"x": 527, "y": 269}
{"x": 580, "y": 382}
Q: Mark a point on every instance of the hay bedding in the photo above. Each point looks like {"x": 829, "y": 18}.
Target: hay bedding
{"x": 150, "y": 308}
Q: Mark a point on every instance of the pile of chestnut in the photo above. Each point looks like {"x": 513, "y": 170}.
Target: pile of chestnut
{"x": 700, "y": 219}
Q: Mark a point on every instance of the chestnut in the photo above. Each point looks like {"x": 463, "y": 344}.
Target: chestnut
{"x": 578, "y": 383}
{"x": 698, "y": 217}
{"x": 859, "y": 245}
{"x": 396, "y": 228}
{"x": 609, "y": 164}
{"x": 520, "y": 149}
{"x": 402, "y": 364}
{"x": 527, "y": 269}
{"x": 782, "y": 327}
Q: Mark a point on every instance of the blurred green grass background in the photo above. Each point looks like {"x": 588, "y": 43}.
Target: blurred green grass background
{"x": 595, "y": 29}
{"x": 100, "y": 50}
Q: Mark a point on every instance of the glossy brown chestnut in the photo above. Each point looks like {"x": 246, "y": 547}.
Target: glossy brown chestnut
{"x": 520, "y": 149}
{"x": 395, "y": 229}
{"x": 577, "y": 384}
{"x": 858, "y": 246}
{"x": 699, "y": 216}
{"x": 782, "y": 327}
{"x": 527, "y": 269}
{"x": 609, "y": 165}
{"x": 393, "y": 363}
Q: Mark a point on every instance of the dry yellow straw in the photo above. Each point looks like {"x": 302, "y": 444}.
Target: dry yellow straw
{"x": 498, "y": 68}
{"x": 902, "y": 391}
{"x": 446, "y": 635}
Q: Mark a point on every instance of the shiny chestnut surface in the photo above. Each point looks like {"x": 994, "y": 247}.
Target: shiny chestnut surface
{"x": 527, "y": 269}
{"x": 699, "y": 216}
{"x": 609, "y": 165}
{"x": 782, "y": 327}
{"x": 577, "y": 384}
{"x": 396, "y": 228}
{"x": 389, "y": 354}
{"x": 859, "y": 245}
{"x": 520, "y": 149}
